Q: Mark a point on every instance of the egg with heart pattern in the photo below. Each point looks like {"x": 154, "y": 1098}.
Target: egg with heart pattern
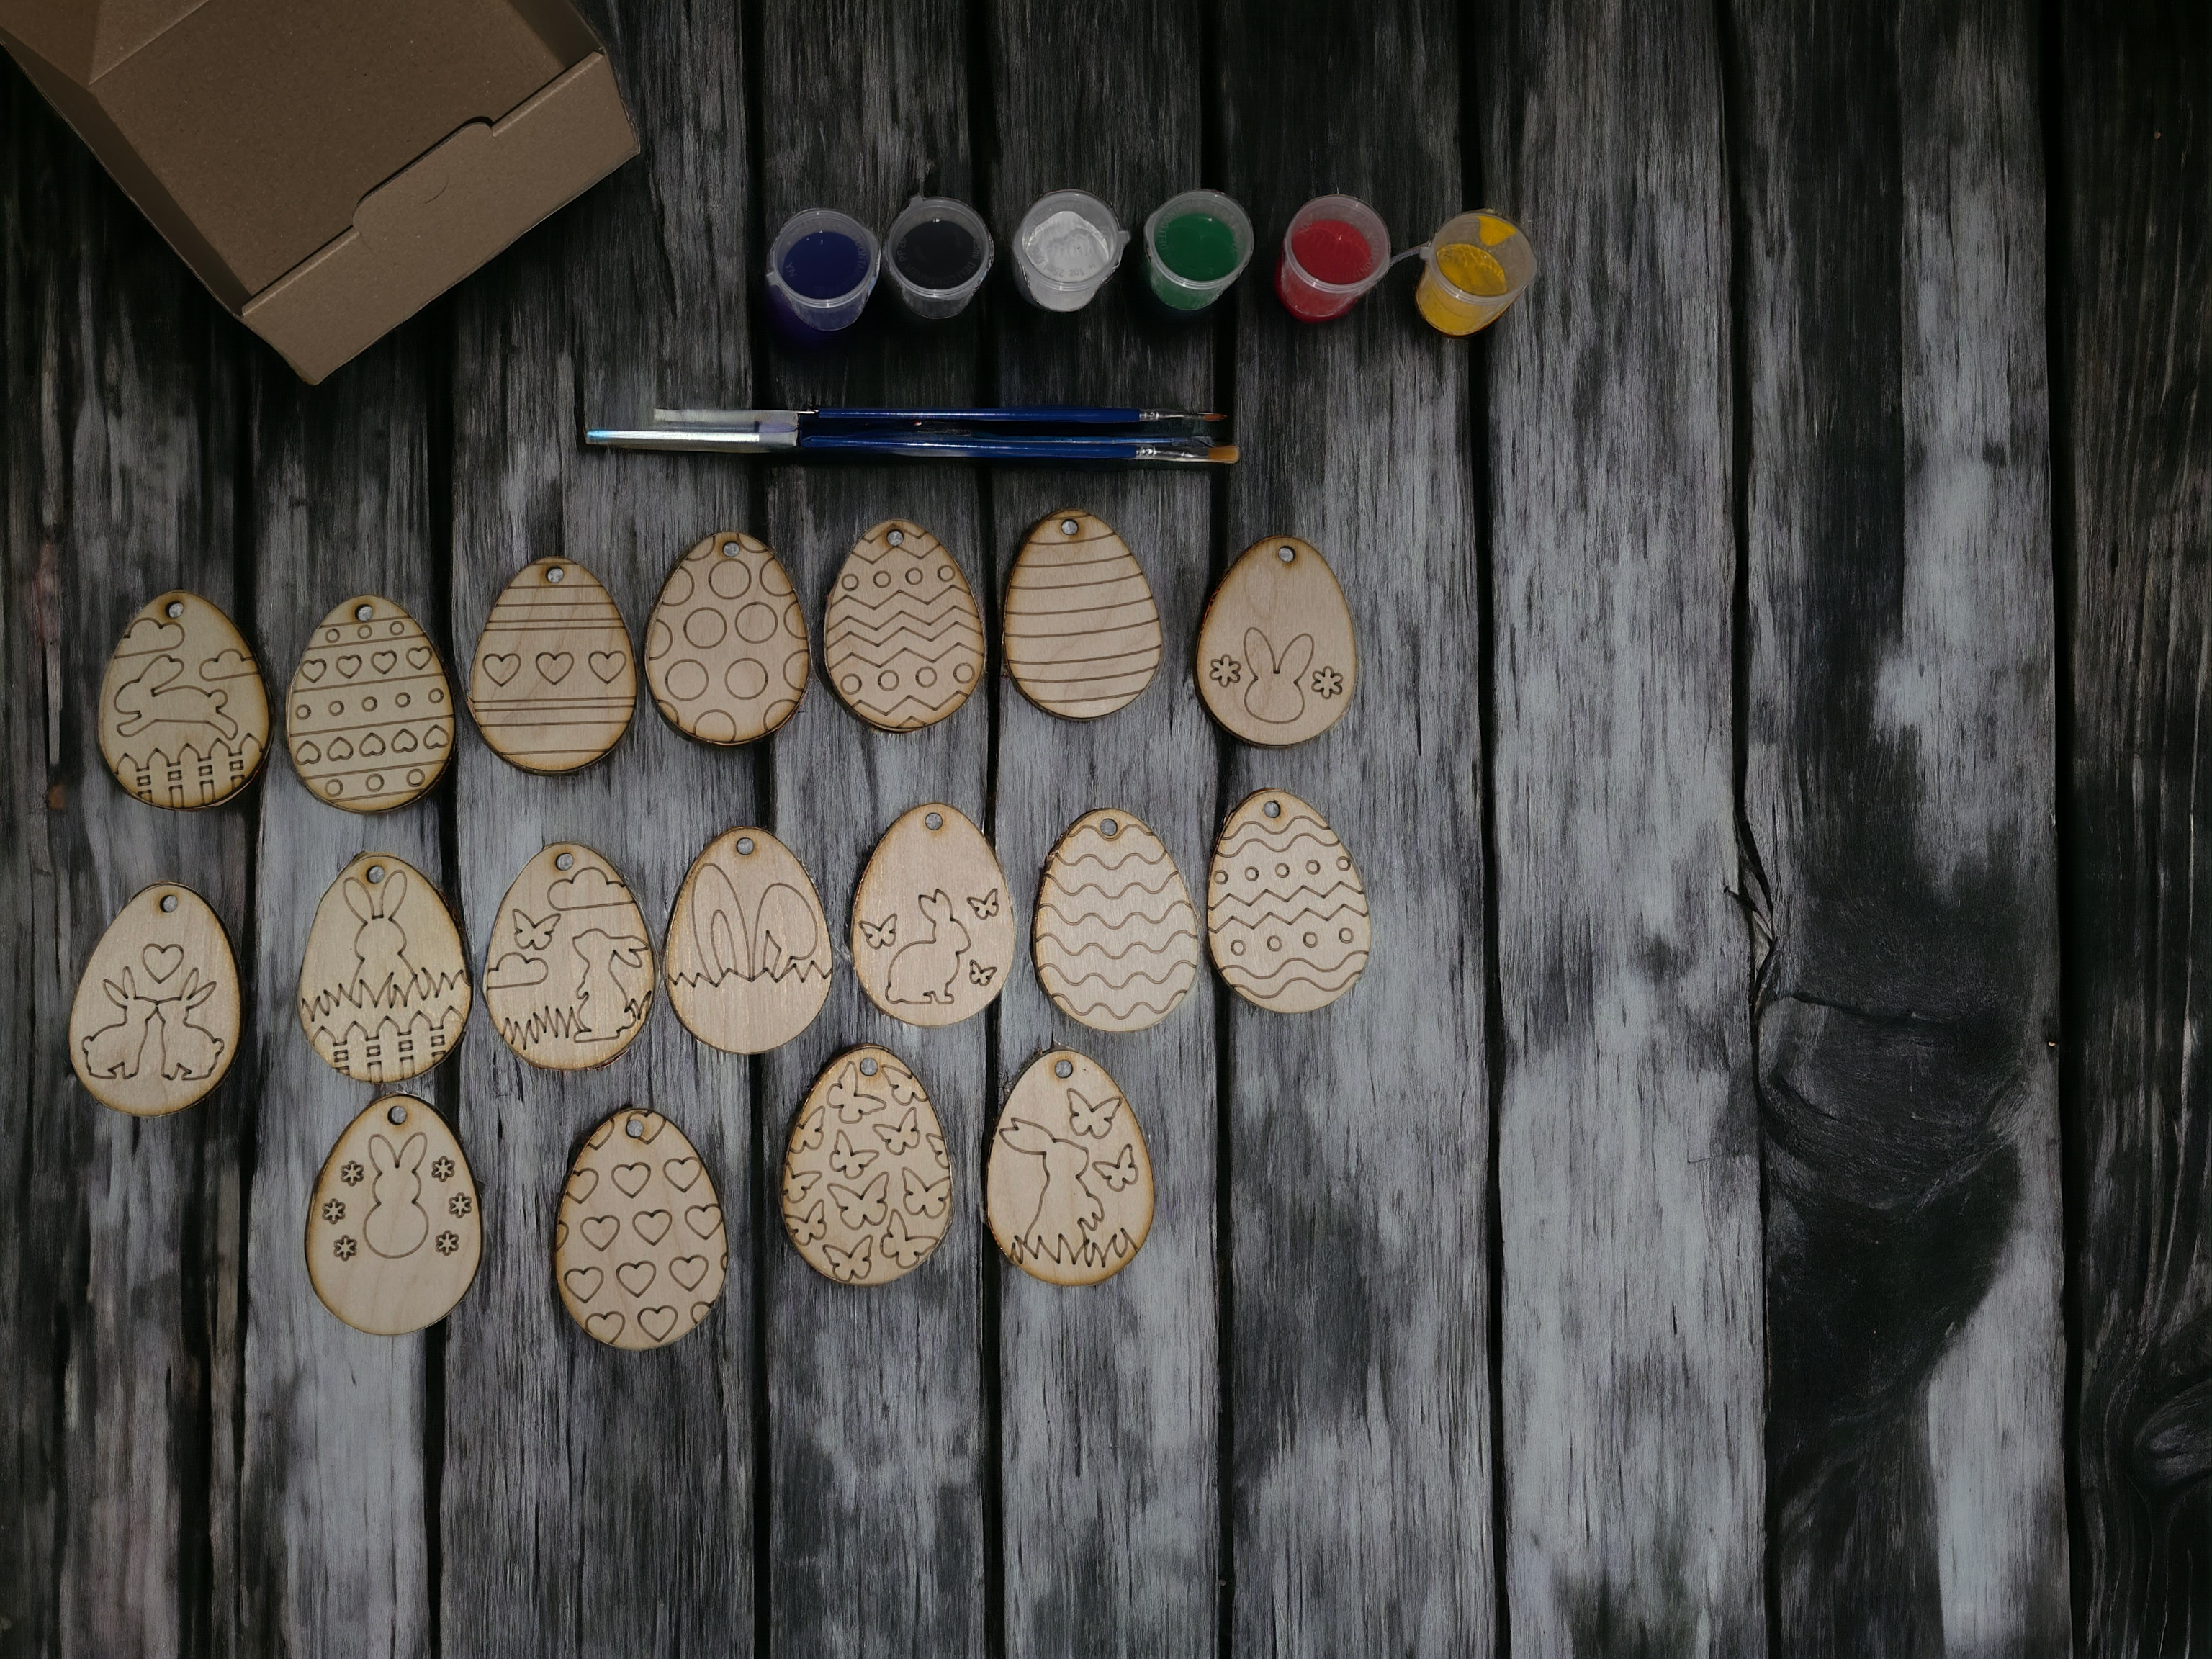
{"x": 639, "y": 1252}
{"x": 554, "y": 683}
{"x": 369, "y": 714}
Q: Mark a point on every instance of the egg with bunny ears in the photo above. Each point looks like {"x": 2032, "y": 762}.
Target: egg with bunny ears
{"x": 384, "y": 983}
{"x": 1069, "y": 1186}
{"x": 1277, "y": 663}
{"x": 933, "y": 922}
{"x": 393, "y": 1232}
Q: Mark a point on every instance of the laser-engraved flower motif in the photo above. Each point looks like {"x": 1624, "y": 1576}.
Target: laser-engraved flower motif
{"x": 1329, "y": 682}
{"x": 448, "y": 1243}
{"x": 352, "y": 1174}
{"x": 344, "y": 1249}
{"x": 1226, "y": 670}
{"x": 459, "y": 1204}
{"x": 443, "y": 1170}
{"x": 333, "y": 1212}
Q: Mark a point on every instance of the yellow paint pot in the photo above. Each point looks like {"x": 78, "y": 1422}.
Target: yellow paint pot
{"x": 1472, "y": 270}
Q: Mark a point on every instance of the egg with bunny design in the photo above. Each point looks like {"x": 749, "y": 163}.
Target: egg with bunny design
{"x": 1276, "y": 660}
{"x": 384, "y": 983}
{"x": 1067, "y": 1186}
{"x": 154, "y": 1025}
{"x": 932, "y": 923}
{"x": 394, "y": 1235}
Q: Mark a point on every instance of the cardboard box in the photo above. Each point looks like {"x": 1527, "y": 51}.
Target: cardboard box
{"x": 330, "y": 166}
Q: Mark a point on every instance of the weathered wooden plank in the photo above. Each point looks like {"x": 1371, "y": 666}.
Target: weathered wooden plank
{"x": 1108, "y": 1397}
{"x": 121, "y": 1336}
{"x": 596, "y": 1500}
{"x": 1358, "y": 1137}
{"x": 1628, "y": 1148}
{"x": 335, "y": 1504}
{"x": 1900, "y": 733}
{"x": 876, "y": 1397}
{"x": 2136, "y": 299}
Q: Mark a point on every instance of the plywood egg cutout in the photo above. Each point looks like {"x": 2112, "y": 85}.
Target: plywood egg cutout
{"x": 384, "y": 983}
{"x": 393, "y": 1236}
{"x": 726, "y": 648}
{"x": 901, "y": 638}
{"x": 1276, "y": 660}
{"x": 639, "y": 1250}
{"x": 933, "y": 925}
{"x": 183, "y": 720}
{"x": 369, "y": 716}
{"x": 1285, "y": 910}
{"x": 867, "y": 1187}
{"x": 568, "y": 973}
{"x": 1115, "y": 938}
{"x": 554, "y": 683}
{"x": 1067, "y": 1186}
{"x": 748, "y": 953}
{"x": 154, "y": 1024}
{"x": 1082, "y": 636}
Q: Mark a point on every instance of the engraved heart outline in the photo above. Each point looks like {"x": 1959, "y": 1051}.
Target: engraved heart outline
{"x": 553, "y": 666}
{"x": 384, "y": 661}
{"x": 583, "y": 1282}
{"x": 500, "y": 666}
{"x": 632, "y": 1177}
{"x": 170, "y": 957}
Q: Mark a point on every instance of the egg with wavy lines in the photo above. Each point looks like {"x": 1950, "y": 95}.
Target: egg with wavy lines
{"x": 901, "y": 638}
{"x": 1115, "y": 938}
{"x": 1285, "y": 912}
{"x": 725, "y": 648}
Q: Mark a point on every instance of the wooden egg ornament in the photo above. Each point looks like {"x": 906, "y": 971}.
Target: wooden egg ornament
{"x": 901, "y": 640}
{"x": 1276, "y": 660}
{"x": 748, "y": 953}
{"x": 393, "y": 1236}
{"x": 639, "y": 1250}
{"x": 384, "y": 983}
{"x": 726, "y": 648}
{"x": 1285, "y": 910}
{"x": 568, "y": 973}
{"x": 932, "y": 926}
{"x": 1082, "y": 632}
{"x": 554, "y": 681}
{"x": 154, "y": 1024}
{"x": 1115, "y": 939}
{"x": 867, "y": 1187}
{"x": 183, "y": 720}
{"x": 369, "y": 716}
{"x": 1067, "y": 1186}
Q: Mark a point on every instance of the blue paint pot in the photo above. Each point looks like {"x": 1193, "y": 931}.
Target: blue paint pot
{"x": 820, "y": 269}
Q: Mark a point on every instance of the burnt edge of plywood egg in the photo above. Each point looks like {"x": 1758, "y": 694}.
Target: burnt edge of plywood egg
{"x": 154, "y": 1024}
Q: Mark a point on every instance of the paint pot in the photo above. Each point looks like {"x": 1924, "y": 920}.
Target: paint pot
{"x": 939, "y": 253}
{"x": 1337, "y": 247}
{"x": 1473, "y": 269}
{"x": 1068, "y": 245}
{"x": 1195, "y": 245}
{"x": 821, "y": 268}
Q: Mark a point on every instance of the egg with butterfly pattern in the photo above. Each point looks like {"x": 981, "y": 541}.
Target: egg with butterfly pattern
{"x": 1069, "y": 1186}
{"x": 554, "y": 683}
{"x": 867, "y": 1185}
{"x": 369, "y": 716}
{"x": 932, "y": 923}
{"x": 640, "y": 1250}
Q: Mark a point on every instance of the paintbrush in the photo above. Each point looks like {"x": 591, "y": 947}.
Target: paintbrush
{"x": 1040, "y": 433}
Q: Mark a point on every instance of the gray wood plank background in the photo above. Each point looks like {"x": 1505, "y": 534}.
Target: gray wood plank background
{"x": 1660, "y": 1251}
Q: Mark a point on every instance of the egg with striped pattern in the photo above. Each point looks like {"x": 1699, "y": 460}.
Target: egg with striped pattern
{"x": 1286, "y": 913}
{"x": 1082, "y": 636}
{"x": 1115, "y": 938}
{"x": 369, "y": 716}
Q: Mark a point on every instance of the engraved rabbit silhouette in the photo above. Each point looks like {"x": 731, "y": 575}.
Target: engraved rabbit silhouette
{"x": 616, "y": 980}
{"x": 118, "y": 1050}
{"x": 188, "y": 1052}
{"x": 925, "y": 969}
{"x": 1274, "y": 695}
{"x": 1067, "y": 1210}
{"x": 397, "y": 1224}
{"x": 382, "y": 975}
{"x": 193, "y": 712}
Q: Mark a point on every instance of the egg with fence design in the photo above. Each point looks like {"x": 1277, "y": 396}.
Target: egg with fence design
{"x": 393, "y": 1235}
{"x": 867, "y": 1186}
{"x": 725, "y": 648}
{"x": 901, "y": 638}
{"x": 1068, "y": 1187}
{"x": 384, "y": 982}
{"x": 568, "y": 973}
{"x": 153, "y": 1026}
{"x": 369, "y": 715}
{"x": 933, "y": 922}
{"x": 554, "y": 683}
{"x": 640, "y": 1251}
{"x": 1286, "y": 913}
{"x": 1115, "y": 938}
{"x": 1082, "y": 632}
{"x": 183, "y": 720}
{"x": 1277, "y": 663}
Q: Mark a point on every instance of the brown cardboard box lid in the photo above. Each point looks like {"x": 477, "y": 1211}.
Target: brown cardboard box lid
{"x": 329, "y": 168}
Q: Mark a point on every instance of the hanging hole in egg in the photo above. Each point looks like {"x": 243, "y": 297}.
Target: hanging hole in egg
{"x": 1068, "y": 526}
{"x": 174, "y": 608}
{"x": 168, "y": 903}
{"x": 896, "y": 537}
{"x": 376, "y": 872}
{"x": 1274, "y": 809}
{"x": 1286, "y": 554}
{"x": 554, "y": 574}
{"x": 1109, "y": 828}
{"x": 868, "y": 1066}
{"x": 745, "y": 847}
{"x": 634, "y": 1128}
{"x": 395, "y": 1115}
{"x": 363, "y": 612}
{"x": 933, "y": 820}
{"x": 730, "y": 548}
{"x": 1063, "y": 1068}
{"x": 564, "y": 861}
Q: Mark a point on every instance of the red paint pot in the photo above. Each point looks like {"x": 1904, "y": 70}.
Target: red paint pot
{"x": 1337, "y": 247}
